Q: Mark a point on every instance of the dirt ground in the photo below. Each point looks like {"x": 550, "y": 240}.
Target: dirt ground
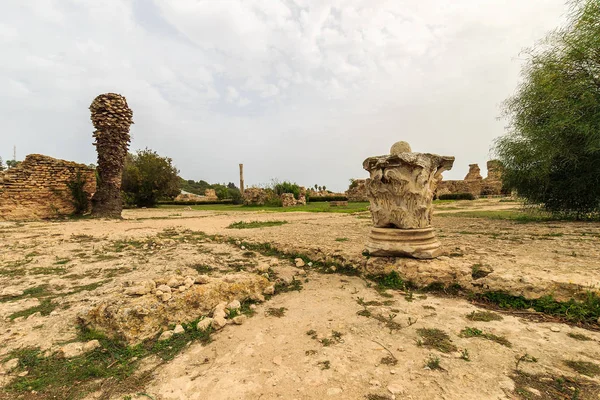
{"x": 337, "y": 337}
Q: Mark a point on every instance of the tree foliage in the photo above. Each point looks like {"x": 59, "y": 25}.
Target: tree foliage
{"x": 2, "y": 168}
{"x": 148, "y": 177}
{"x": 551, "y": 152}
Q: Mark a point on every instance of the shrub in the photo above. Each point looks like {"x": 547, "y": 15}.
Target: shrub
{"x": 287, "y": 187}
{"x": 457, "y": 196}
{"x": 79, "y": 197}
{"x": 327, "y": 198}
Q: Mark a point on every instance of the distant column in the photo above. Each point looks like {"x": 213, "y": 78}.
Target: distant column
{"x": 242, "y": 178}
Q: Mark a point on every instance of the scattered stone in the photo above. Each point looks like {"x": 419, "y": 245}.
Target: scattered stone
{"x": 234, "y": 305}
{"x": 262, "y": 268}
{"x": 22, "y": 374}
{"x": 164, "y": 288}
{"x": 166, "y": 296}
{"x": 269, "y": 290}
{"x": 299, "y": 262}
{"x": 253, "y": 306}
{"x": 166, "y": 335}
{"x": 173, "y": 282}
{"x": 204, "y": 324}
{"x": 333, "y": 391}
{"x": 178, "y": 330}
{"x": 91, "y": 345}
{"x": 310, "y": 264}
{"x": 202, "y": 279}
{"x": 11, "y": 364}
{"x": 182, "y": 288}
{"x": 219, "y": 323}
{"x": 277, "y": 360}
{"x": 34, "y": 315}
{"x": 11, "y": 292}
{"x": 395, "y": 388}
{"x": 240, "y": 319}
{"x": 555, "y": 329}
{"x": 71, "y": 350}
{"x": 141, "y": 289}
{"x": 189, "y": 281}
{"x": 374, "y": 382}
{"x": 534, "y": 391}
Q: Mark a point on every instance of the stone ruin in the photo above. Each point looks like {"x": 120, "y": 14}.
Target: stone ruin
{"x": 145, "y": 308}
{"x": 358, "y": 192}
{"x": 260, "y": 197}
{"x": 209, "y": 195}
{"x": 400, "y": 189}
{"x": 474, "y": 183}
{"x": 38, "y": 188}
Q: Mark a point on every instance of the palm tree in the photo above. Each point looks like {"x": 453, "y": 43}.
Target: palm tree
{"x": 112, "y": 118}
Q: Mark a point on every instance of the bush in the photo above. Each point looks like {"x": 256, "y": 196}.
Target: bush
{"x": 148, "y": 178}
{"x": 287, "y": 187}
{"x": 457, "y": 196}
{"x": 193, "y": 203}
{"x": 79, "y": 197}
{"x": 327, "y": 198}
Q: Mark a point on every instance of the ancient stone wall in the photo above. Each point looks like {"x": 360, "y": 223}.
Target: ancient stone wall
{"x": 38, "y": 188}
{"x": 255, "y": 196}
{"x": 358, "y": 192}
{"x": 474, "y": 183}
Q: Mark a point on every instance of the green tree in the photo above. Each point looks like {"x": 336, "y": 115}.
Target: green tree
{"x": 148, "y": 177}
{"x": 552, "y": 147}
{"x": 12, "y": 163}
{"x": 2, "y": 168}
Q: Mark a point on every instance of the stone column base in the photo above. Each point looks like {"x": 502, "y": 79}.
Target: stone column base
{"x": 393, "y": 242}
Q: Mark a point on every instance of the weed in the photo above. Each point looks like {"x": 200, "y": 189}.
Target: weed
{"x": 249, "y": 254}
{"x": 429, "y": 308}
{"x": 48, "y": 271}
{"x": 434, "y": 338}
{"x": 579, "y": 336}
{"x": 433, "y": 363}
{"x": 324, "y": 364}
{"x": 409, "y": 297}
{"x": 388, "y": 360}
{"x": 310, "y": 352}
{"x": 312, "y": 333}
{"x": 202, "y": 268}
{"x": 464, "y": 354}
{"x": 276, "y": 312}
{"x": 524, "y": 358}
{"x": 255, "y": 224}
{"x": 554, "y": 387}
{"x": 474, "y": 332}
{"x": 342, "y": 239}
{"x": 45, "y": 307}
{"x": 477, "y": 271}
{"x": 584, "y": 367}
{"x": 282, "y": 287}
{"x": 484, "y": 316}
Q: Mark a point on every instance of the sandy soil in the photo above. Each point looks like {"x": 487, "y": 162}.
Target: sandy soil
{"x": 77, "y": 263}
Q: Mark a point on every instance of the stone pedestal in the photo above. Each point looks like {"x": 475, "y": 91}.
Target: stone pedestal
{"x": 392, "y": 242}
{"x": 400, "y": 190}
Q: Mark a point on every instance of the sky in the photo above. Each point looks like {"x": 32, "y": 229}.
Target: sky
{"x": 299, "y": 90}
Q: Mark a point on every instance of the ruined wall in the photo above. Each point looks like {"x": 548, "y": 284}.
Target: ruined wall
{"x": 474, "y": 183}
{"x": 359, "y": 192}
{"x": 37, "y": 188}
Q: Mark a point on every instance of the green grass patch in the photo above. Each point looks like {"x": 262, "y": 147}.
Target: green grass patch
{"x": 586, "y": 310}
{"x": 579, "y": 336}
{"x": 484, "y": 316}
{"x": 255, "y": 224}
{"x": 56, "y": 377}
{"x": 584, "y": 367}
{"x": 310, "y": 207}
{"x": 45, "y": 307}
{"x": 342, "y": 239}
{"x": 469, "y": 332}
{"x": 437, "y": 339}
{"x": 510, "y": 215}
{"x": 48, "y": 271}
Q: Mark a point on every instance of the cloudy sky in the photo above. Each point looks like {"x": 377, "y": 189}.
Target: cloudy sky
{"x": 302, "y": 90}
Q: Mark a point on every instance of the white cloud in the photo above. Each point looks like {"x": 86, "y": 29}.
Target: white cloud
{"x": 302, "y": 90}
